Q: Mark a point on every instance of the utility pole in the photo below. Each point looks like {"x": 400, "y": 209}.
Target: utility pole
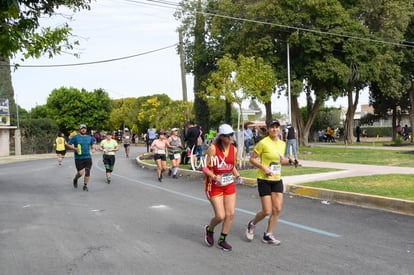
{"x": 289, "y": 96}
{"x": 17, "y": 134}
{"x": 183, "y": 79}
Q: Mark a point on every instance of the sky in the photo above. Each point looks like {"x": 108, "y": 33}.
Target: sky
{"x": 114, "y": 29}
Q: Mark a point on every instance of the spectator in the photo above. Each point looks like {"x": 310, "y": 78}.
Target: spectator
{"x": 248, "y": 139}
{"x": 358, "y": 133}
{"x": 290, "y": 137}
{"x": 151, "y": 135}
{"x": 191, "y": 137}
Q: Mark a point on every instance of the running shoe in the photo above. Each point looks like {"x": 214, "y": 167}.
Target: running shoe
{"x": 108, "y": 180}
{"x": 224, "y": 245}
{"x": 250, "y": 230}
{"x": 85, "y": 188}
{"x": 174, "y": 177}
{"x": 270, "y": 239}
{"x": 209, "y": 237}
{"x": 169, "y": 172}
{"x": 75, "y": 183}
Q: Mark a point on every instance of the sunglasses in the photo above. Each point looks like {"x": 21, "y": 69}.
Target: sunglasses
{"x": 228, "y": 135}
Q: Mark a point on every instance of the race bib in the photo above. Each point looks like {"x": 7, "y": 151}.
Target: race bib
{"x": 177, "y": 155}
{"x": 160, "y": 152}
{"x": 226, "y": 179}
{"x": 275, "y": 168}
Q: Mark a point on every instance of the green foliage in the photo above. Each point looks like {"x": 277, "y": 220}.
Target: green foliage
{"x": 70, "y": 107}
{"x": 38, "y": 135}
{"x": 21, "y": 31}
{"x": 327, "y": 116}
{"x": 160, "y": 112}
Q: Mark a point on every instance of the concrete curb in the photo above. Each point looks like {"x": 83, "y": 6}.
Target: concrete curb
{"x": 368, "y": 201}
{"x": 404, "y": 207}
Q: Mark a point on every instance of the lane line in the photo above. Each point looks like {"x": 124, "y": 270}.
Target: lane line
{"x": 181, "y": 194}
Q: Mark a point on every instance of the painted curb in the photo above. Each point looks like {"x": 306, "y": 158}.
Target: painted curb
{"x": 367, "y": 201}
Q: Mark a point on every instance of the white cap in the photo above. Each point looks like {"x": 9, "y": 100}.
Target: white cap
{"x": 126, "y": 129}
{"x": 174, "y": 129}
{"x": 225, "y": 129}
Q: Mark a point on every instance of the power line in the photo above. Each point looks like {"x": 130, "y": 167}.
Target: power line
{"x": 402, "y": 43}
{"x": 96, "y": 62}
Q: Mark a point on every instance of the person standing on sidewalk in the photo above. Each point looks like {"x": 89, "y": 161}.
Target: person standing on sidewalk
{"x": 109, "y": 146}
{"x": 82, "y": 144}
{"x": 270, "y": 151}
{"x": 151, "y": 136}
{"x": 290, "y": 137}
{"x": 248, "y": 139}
{"x": 220, "y": 186}
{"x": 60, "y": 147}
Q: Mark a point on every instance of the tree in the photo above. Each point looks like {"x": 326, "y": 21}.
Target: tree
{"x": 70, "y": 107}
{"x": 200, "y": 53}
{"x": 20, "y": 31}
{"x": 160, "y": 112}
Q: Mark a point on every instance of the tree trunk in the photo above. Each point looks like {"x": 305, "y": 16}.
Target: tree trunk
{"x": 297, "y": 120}
{"x": 411, "y": 96}
{"x": 227, "y": 115}
{"x": 268, "y": 108}
{"x": 394, "y": 122}
{"x": 202, "y": 112}
{"x": 349, "y": 120}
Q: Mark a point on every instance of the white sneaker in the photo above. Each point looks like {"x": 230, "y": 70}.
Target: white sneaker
{"x": 250, "y": 230}
{"x": 270, "y": 239}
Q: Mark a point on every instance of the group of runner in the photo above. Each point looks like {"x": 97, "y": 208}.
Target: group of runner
{"x": 221, "y": 174}
{"x": 83, "y": 144}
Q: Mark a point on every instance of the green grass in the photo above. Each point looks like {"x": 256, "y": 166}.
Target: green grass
{"x": 289, "y": 171}
{"x": 360, "y": 155}
{"x": 393, "y": 186}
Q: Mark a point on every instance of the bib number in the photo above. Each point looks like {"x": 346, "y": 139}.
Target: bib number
{"x": 275, "y": 168}
{"x": 226, "y": 179}
{"x": 177, "y": 155}
{"x": 160, "y": 152}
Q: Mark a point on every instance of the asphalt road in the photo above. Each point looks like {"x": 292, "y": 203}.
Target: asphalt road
{"x": 137, "y": 225}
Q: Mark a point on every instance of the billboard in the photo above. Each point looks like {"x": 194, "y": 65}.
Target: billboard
{"x": 4, "y": 112}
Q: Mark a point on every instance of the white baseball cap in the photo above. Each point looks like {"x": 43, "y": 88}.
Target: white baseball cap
{"x": 225, "y": 129}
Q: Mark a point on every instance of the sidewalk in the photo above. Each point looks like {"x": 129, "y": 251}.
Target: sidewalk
{"x": 10, "y": 159}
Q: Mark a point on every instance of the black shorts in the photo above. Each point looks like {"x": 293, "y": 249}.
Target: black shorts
{"x": 172, "y": 156}
{"x": 61, "y": 152}
{"x": 162, "y": 157}
{"x": 126, "y": 145}
{"x": 109, "y": 160}
{"x": 83, "y": 164}
{"x": 266, "y": 187}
